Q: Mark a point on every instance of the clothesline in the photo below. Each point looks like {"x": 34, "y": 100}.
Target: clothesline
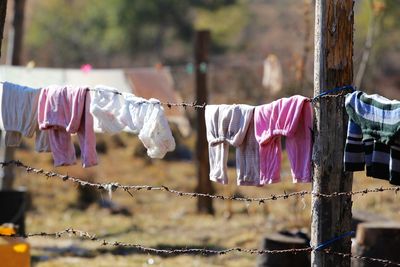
{"x": 196, "y": 105}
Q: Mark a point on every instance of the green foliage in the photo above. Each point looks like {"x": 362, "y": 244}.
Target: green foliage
{"x": 71, "y": 32}
{"x": 74, "y": 32}
{"x": 225, "y": 23}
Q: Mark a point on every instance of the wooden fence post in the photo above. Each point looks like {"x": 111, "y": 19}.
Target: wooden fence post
{"x": 333, "y": 67}
{"x": 201, "y": 47}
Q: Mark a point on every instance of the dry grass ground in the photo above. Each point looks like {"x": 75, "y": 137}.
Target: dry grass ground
{"x": 160, "y": 218}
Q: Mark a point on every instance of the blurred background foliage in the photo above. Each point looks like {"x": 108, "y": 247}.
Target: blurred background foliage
{"x": 130, "y": 33}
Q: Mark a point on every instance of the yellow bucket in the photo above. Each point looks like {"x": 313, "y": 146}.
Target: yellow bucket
{"x": 14, "y": 251}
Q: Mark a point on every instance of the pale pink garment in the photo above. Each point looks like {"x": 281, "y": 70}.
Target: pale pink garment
{"x": 64, "y": 111}
{"x": 290, "y": 117}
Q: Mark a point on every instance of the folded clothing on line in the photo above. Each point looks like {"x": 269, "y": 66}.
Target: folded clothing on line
{"x": 19, "y": 109}
{"x": 373, "y": 136}
{"x": 291, "y": 117}
{"x": 232, "y": 125}
{"x": 65, "y": 110}
{"x": 115, "y": 112}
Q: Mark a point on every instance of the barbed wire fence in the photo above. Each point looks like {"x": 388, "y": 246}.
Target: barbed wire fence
{"x": 69, "y": 232}
{"x": 112, "y": 186}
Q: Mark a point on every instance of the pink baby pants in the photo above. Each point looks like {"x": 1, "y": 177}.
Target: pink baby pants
{"x": 290, "y": 117}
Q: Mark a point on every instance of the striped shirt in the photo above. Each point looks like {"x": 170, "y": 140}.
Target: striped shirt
{"x": 372, "y": 136}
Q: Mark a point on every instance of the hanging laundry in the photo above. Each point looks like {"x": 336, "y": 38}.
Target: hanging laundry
{"x": 291, "y": 117}
{"x": 158, "y": 83}
{"x": 147, "y": 119}
{"x": 373, "y": 136}
{"x": 19, "y": 105}
{"x": 232, "y": 125}
{"x": 63, "y": 111}
{"x": 106, "y": 107}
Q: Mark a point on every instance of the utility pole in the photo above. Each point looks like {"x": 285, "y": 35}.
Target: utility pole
{"x": 333, "y": 67}
{"x": 201, "y": 48}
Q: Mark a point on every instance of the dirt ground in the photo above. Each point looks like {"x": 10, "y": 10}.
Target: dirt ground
{"x": 160, "y": 218}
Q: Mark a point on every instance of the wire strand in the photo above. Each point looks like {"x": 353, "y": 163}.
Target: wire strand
{"x": 194, "y": 251}
{"x": 112, "y": 186}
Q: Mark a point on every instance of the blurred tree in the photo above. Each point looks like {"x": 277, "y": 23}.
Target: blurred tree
{"x": 65, "y": 33}
{"x": 378, "y": 24}
{"x": 225, "y": 22}
{"x": 69, "y": 32}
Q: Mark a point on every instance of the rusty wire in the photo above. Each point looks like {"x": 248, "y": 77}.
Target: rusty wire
{"x": 86, "y": 236}
{"x": 341, "y": 91}
{"x": 384, "y": 262}
{"x": 112, "y": 186}
{"x": 195, "y": 251}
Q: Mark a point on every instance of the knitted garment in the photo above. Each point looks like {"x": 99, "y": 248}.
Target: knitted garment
{"x": 19, "y": 107}
{"x": 147, "y": 119}
{"x": 378, "y": 117}
{"x": 106, "y": 107}
{"x": 372, "y": 136}
{"x": 64, "y": 111}
{"x": 291, "y": 117}
{"x": 232, "y": 125}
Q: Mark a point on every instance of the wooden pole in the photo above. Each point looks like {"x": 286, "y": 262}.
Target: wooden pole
{"x": 15, "y": 53}
{"x": 3, "y": 12}
{"x": 333, "y": 67}
{"x": 18, "y": 28}
{"x": 201, "y": 47}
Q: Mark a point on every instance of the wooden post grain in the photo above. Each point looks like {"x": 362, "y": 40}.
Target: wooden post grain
{"x": 333, "y": 67}
{"x": 202, "y": 42}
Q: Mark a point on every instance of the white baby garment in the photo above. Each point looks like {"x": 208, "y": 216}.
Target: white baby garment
{"x": 106, "y": 107}
{"x": 147, "y": 118}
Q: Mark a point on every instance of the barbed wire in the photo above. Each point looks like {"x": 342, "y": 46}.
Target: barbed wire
{"x": 341, "y": 91}
{"x": 195, "y": 251}
{"x": 384, "y": 262}
{"x": 112, "y": 186}
{"x": 86, "y": 236}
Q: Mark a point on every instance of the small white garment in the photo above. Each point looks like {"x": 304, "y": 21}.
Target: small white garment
{"x": 147, "y": 118}
{"x": 114, "y": 113}
{"x": 19, "y": 109}
{"x": 106, "y": 107}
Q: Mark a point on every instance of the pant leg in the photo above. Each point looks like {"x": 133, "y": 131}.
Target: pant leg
{"x": 218, "y": 156}
{"x": 270, "y": 160}
{"x": 299, "y": 147}
{"x": 62, "y": 148}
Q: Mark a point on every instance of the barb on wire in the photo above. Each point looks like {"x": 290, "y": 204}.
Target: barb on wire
{"x": 112, "y": 186}
{"x": 86, "y": 236}
{"x": 195, "y": 251}
{"x": 183, "y": 104}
